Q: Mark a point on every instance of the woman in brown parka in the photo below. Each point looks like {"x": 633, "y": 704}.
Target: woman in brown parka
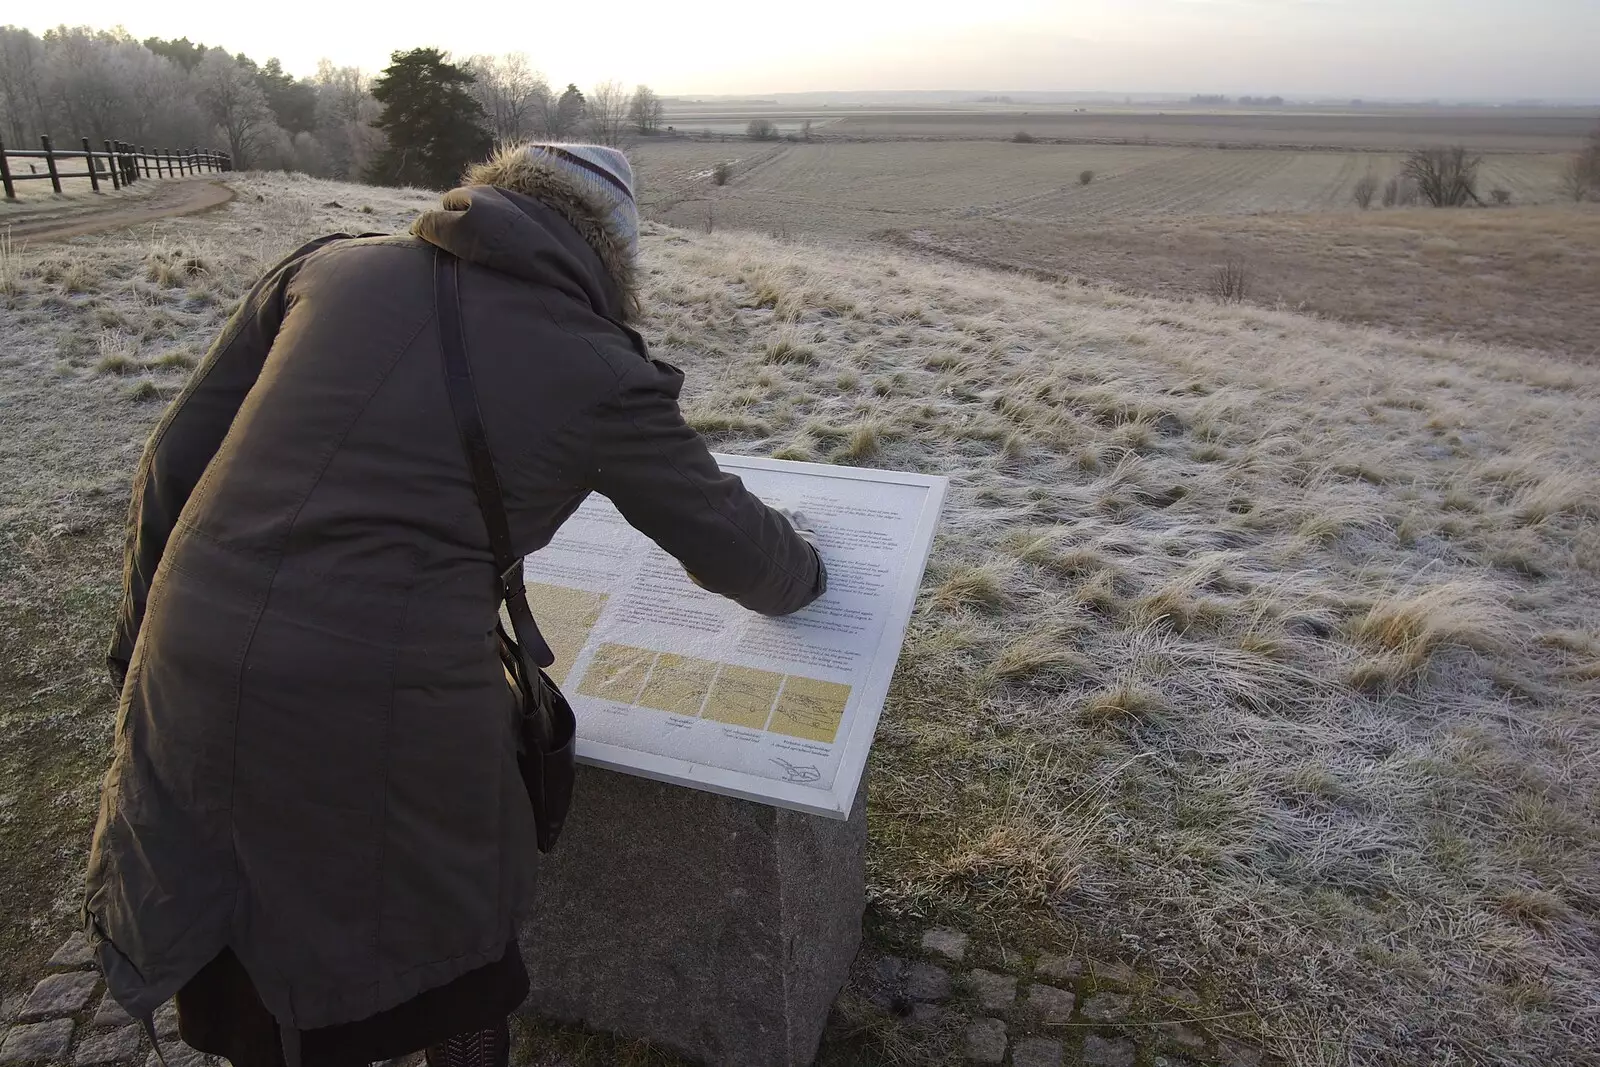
{"x": 313, "y": 831}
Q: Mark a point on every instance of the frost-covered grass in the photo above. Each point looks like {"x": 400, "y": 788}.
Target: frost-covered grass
{"x": 1256, "y": 650}
{"x": 1260, "y": 652}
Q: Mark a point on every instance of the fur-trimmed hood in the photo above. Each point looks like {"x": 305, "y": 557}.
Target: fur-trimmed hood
{"x": 522, "y": 217}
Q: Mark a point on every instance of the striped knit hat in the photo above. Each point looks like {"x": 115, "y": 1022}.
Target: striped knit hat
{"x": 604, "y": 174}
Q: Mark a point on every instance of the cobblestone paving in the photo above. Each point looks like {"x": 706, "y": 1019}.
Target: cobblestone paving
{"x": 66, "y": 1019}
{"x": 1057, "y": 1011}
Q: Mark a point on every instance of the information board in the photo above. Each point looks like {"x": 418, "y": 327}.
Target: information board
{"x": 675, "y": 683}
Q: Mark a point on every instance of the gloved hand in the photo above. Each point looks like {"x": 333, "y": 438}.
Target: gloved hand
{"x": 802, "y": 526}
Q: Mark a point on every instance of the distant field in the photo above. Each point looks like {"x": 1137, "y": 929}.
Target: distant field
{"x": 858, "y": 188}
{"x": 1525, "y": 277}
{"x": 1484, "y": 129}
{"x": 1160, "y": 219}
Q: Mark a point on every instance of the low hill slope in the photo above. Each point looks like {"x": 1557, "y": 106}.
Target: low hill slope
{"x": 1259, "y": 652}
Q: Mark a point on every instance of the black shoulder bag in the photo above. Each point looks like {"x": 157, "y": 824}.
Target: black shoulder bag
{"x": 549, "y": 729}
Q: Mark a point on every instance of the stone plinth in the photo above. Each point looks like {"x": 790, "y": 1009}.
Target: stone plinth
{"x": 718, "y": 928}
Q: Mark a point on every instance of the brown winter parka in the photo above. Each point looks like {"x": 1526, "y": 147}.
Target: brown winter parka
{"x": 315, "y": 754}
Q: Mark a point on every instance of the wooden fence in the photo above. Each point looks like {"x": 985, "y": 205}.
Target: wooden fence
{"x": 120, "y": 161}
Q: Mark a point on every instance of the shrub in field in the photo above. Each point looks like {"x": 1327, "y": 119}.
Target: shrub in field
{"x": 1230, "y": 283}
{"x": 721, "y": 173}
{"x": 761, "y": 130}
{"x": 10, "y": 266}
{"x": 1366, "y": 189}
{"x": 1580, "y": 175}
{"x": 1445, "y": 177}
{"x": 1023, "y": 137}
{"x": 1501, "y": 194}
{"x": 1573, "y": 180}
{"x": 1399, "y": 192}
{"x": 1086, "y": 177}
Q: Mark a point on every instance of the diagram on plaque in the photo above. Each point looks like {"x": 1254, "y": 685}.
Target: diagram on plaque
{"x": 675, "y": 682}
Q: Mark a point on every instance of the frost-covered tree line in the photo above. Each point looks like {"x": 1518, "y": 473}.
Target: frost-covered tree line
{"x": 74, "y": 81}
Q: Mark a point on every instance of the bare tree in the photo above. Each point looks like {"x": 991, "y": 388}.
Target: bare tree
{"x": 514, "y": 97}
{"x": 346, "y": 110}
{"x": 23, "y": 114}
{"x": 1445, "y": 177}
{"x": 159, "y": 106}
{"x": 232, "y": 100}
{"x": 606, "y": 107}
{"x": 1580, "y": 174}
{"x": 1399, "y": 191}
{"x": 1577, "y": 179}
{"x": 1366, "y": 189}
{"x": 646, "y": 111}
{"x": 1230, "y": 283}
{"x": 307, "y": 154}
{"x": 82, "y": 91}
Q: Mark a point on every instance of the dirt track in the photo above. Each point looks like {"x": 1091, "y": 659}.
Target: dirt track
{"x": 71, "y": 219}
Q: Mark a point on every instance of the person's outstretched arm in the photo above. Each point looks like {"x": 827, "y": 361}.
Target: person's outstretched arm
{"x": 659, "y": 473}
{"x": 186, "y": 438}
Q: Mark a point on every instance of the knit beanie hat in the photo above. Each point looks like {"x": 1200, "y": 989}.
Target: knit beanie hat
{"x": 602, "y": 173}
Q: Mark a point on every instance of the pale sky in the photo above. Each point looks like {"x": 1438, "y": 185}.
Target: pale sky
{"x": 1374, "y": 48}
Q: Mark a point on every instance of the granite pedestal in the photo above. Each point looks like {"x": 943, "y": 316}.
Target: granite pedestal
{"x": 718, "y": 928}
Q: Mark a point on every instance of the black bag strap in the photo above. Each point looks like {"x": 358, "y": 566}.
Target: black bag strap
{"x": 475, "y": 441}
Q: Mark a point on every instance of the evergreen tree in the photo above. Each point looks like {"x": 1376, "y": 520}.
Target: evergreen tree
{"x": 293, "y": 102}
{"x": 434, "y": 126}
{"x": 570, "y": 110}
{"x": 181, "y": 51}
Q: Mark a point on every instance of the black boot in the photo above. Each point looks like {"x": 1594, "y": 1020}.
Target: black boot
{"x": 477, "y": 1048}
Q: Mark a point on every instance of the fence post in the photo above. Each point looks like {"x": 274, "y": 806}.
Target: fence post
{"x": 142, "y": 161}
{"x": 88, "y": 159}
{"x": 111, "y": 165}
{"x": 50, "y": 162}
{"x": 5, "y": 174}
{"x": 161, "y": 162}
{"x": 128, "y": 171}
